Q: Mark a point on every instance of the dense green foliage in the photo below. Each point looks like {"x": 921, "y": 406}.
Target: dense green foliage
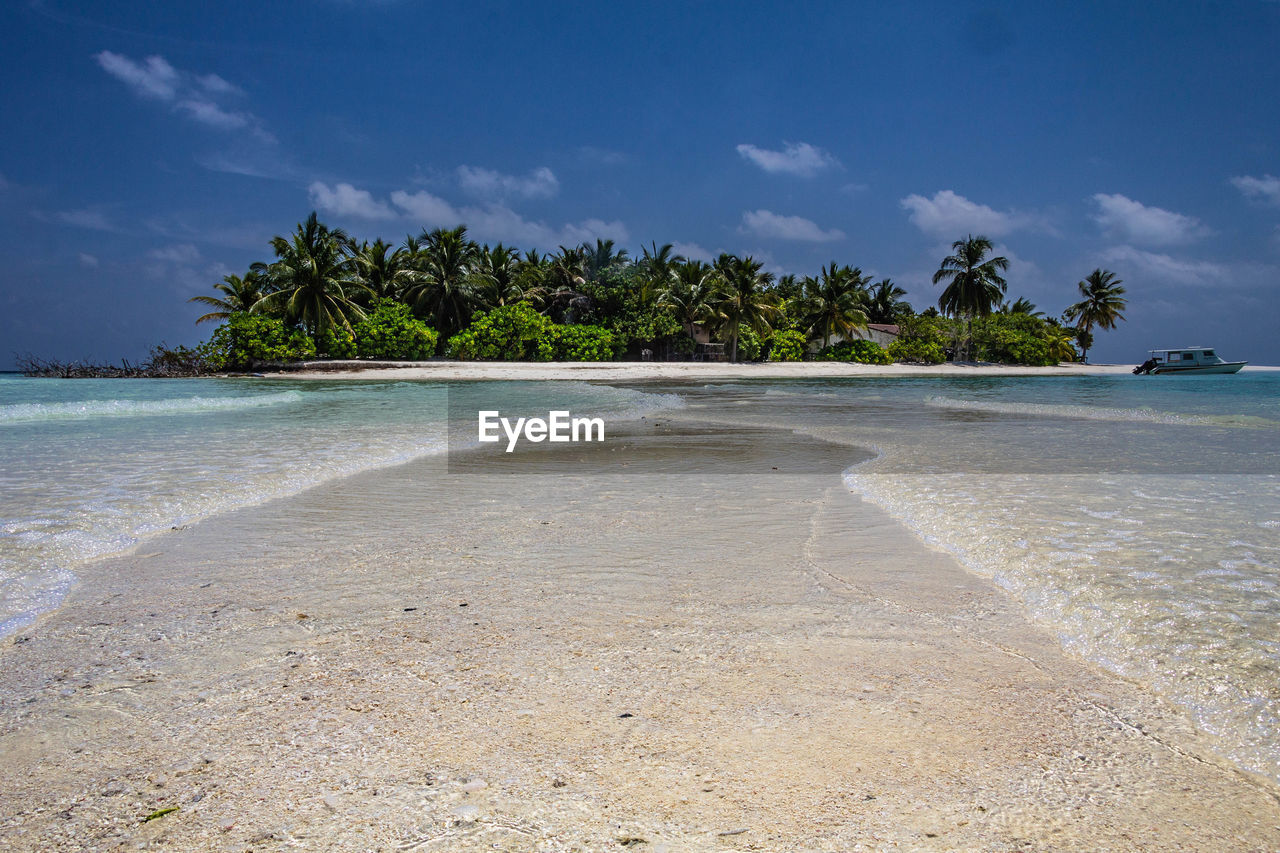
{"x": 391, "y": 331}
{"x": 859, "y": 351}
{"x": 519, "y": 333}
{"x": 247, "y": 339}
{"x": 787, "y": 345}
{"x": 326, "y": 293}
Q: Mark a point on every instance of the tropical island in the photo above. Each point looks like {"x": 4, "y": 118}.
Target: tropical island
{"x": 327, "y": 295}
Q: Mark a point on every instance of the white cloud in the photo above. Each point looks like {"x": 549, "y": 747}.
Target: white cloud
{"x": 92, "y": 219}
{"x": 795, "y": 158}
{"x": 692, "y": 251}
{"x": 193, "y": 96}
{"x": 499, "y": 222}
{"x": 180, "y": 253}
{"x": 345, "y": 200}
{"x": 184, "y": 268}
{"x": 487, "y": 183}
{"x": 1266, "y": 188}
{"x": 215, "y": 85}
{"x": 1165, "y": 268}
{"x": 1134, "y": 222}
{"x": 951, "y": 215}
{"x": 766, "y": 223}
{"x": 88, "y": 261}
{"x": 153, "y": 78}
{"x": 209, "y": 113}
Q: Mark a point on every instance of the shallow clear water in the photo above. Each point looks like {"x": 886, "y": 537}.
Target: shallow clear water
{"x": 92, "y": 467}
{"x": 1138, "y": 521}
{"x": 1138, "y": 518}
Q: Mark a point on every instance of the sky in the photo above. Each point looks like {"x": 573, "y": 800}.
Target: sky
{"x": 152, "y": 148}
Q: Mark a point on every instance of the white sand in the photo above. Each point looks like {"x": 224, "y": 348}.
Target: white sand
{"x": 674, "y": 370}
{"x": 646, "y": 663}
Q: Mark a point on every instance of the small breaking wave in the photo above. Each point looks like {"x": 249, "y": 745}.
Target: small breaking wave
{"x": 1098, "y": 413}
{"x": 87, "y": 409}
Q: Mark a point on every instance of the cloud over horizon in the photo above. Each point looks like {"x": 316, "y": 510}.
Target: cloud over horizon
{"x": 490, "y": 222}
{"x": 950, "y": 215}
{"x": 766, "y": 223}
{"x": 491, "y": 184}
{"x": 1133, "y": 222}
{"x": 795, "y": 158}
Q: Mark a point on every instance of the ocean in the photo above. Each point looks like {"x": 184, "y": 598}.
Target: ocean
{"x": 1135, "y": 518}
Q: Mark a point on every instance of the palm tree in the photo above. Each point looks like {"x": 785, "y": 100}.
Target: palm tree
{"x": 832, "y": 302}
{"x": 385, "y": 272}
{"x": 565, "y": 275}
{"x": 885, "y": 303}
{"x": 496, "y": 274}
{"x": 1059, "y": 342}
{"x": 1021, "y": 305}
{"x": 742, "y": 297}
{"x": 975, "y": 283}
{"x": 689, "y": 293}
{"x": 657, "y": 268}
{"x": 602, "y": 257}
{"x": 314, "y": 279}
{"x": 1101, "y": 306}
{"x": 238, "y": 294}
{"x": 445, "y": 291}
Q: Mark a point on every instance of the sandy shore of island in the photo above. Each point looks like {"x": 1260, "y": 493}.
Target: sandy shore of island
{"x": 743, "y": 657}
{"x": 670, "y": 370}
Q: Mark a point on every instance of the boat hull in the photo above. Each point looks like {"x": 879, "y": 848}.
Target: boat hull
{"x": 1224, "y": 367}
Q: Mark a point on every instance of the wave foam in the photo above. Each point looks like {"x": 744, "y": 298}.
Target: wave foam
{"x": 86, "y": 409}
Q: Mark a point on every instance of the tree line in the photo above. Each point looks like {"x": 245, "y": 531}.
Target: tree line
{"x": 324, "y": 283}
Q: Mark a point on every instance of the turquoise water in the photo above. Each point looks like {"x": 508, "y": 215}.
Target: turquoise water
{"x": 1136, "y": 518}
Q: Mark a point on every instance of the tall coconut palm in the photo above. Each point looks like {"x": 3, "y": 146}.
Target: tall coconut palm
{"x": 445, "y": 292}
{"x": 1101, "y": 306}
{"x": 495, "y": 275}
{"x": 885, "y": 304}
{"x": 689, "y": 294}
{"x": 832, "y": 303}
{"x": 314, "y": 279}
{"x": 385, "y": 271}
{"x": 238, "y": 294}
{"x": 974, "y": 283}
{"x": 657, "y": 269}
{"x": 742, "y": 298}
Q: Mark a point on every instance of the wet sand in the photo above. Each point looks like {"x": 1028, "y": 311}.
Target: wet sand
{"x": 604, "y": 657}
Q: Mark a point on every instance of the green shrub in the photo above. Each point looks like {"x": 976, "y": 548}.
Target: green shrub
{"x": 787, "y": 345}
{"x": 749, "y": 344}
{"x": 519, "y": 333}
{"x": 1012, "y": 339}
{"x": 246, "y": 339}
{"x": 336, "y": 342}
{"x": 507, "y": 333}
{"x": 859, "y": 351}
{"x": 917, "y": 350}
{"x": 391, "y": 331}
{"x": 582, "y": 343}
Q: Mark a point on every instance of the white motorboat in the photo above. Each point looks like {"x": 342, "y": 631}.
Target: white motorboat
{"x": 1186, "y": 360}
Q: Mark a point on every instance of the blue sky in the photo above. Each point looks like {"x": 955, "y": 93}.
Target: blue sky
{"x": 151, "y": 149}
